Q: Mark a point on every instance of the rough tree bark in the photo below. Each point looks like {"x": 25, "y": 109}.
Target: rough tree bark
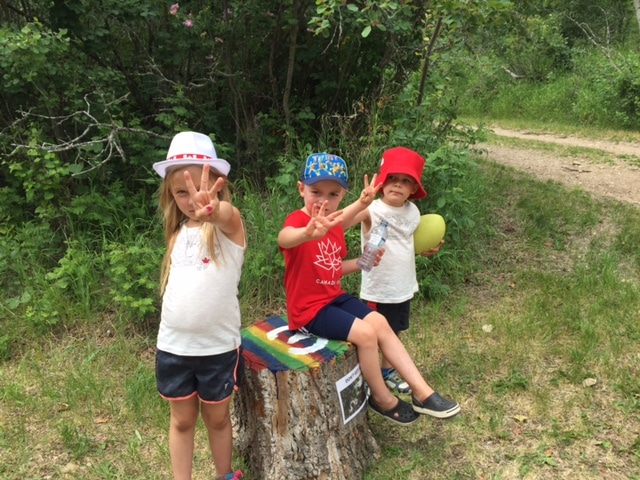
{"x": 290, "y": 423}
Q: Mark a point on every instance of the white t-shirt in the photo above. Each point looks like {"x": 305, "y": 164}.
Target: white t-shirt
{"x": 200, "y": 307}
{"x": 394, "y": 279}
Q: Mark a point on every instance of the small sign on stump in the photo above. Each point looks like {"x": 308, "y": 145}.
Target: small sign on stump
{"x": 300, "y": 412}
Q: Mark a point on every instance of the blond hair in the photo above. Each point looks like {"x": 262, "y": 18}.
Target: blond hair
{"x": 173, "y": 218}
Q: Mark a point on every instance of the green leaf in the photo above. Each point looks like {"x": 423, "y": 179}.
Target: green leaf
{"x": 367, "y": 30}
{"x": 75, "y": 168}
{"x": 12, "y": 303}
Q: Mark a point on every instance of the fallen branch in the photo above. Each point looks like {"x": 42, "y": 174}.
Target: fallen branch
{"x": 514, "y": 75}
{"x": 579, "y": 170}
{"x": 108, "y": 136}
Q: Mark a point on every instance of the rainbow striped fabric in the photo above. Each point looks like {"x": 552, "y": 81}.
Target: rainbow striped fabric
{"x": 270, "y": 344}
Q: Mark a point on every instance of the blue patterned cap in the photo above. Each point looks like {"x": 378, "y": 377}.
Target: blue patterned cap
{"x": 325, "y": 166}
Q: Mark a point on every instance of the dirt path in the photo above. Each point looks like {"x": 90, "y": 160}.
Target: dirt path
{"x": 620, "y": 180}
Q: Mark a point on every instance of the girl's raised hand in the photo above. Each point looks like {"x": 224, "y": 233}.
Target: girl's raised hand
{"x": 204, "y": 200}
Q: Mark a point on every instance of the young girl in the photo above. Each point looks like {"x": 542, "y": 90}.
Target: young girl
{"x": 198, "y": 361}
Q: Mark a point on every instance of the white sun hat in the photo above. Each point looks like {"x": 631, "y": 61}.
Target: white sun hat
{"x": 192, "y": 148}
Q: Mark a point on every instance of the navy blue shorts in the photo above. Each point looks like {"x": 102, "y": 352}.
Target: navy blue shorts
{"x": 213, "y": 378}
{"x": 397, "y": 314}
{"x": 336, "y": 319}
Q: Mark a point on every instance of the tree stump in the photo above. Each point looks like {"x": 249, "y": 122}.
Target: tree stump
{"x": 295, "y": 397}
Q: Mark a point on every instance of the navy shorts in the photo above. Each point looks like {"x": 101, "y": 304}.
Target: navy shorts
{"x": 397, "y": 314}
{"x": 336, "y": 319}
{"x": 213, "y": 378}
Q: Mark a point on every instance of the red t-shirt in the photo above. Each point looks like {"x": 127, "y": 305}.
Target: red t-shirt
{"x": 312, "y": 272}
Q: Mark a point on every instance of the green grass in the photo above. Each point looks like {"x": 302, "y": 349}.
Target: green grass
{"x": 553, "y": 306}
{"x": 565, "y": 151}
{"x": 555, "y": 128}
{"x": 516, "y": 344}
{"x": 583, "y": 154}
{"x": 591, "y": 95}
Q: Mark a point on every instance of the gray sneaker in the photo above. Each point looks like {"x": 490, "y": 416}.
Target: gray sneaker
{"x": 436, "y": 406}
{"x": 395, "y": 382}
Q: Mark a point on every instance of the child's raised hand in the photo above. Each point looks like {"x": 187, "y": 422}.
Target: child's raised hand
{"x": 370, "y": 190}
{"x": 205, "y": 201}
{"x": 321, "y": 223}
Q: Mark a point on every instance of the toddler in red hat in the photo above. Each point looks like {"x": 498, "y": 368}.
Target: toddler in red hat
{"x": 389, "y": 287}
{"x": 402, "y": 162}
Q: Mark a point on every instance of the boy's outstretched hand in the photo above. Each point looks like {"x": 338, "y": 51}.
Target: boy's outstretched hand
{"x": 320, "y": 223}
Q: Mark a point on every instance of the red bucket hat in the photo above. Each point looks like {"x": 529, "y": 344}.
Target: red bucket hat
{"x": 405, "y": 161}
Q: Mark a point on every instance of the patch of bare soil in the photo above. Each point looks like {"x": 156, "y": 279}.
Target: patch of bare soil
{"x": 618, "y": 180}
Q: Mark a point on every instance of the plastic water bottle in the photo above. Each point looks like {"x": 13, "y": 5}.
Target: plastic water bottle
{"x": 376, "y": 241}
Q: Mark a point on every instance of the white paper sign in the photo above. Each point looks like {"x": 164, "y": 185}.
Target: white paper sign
{"x": 352, "y": 394}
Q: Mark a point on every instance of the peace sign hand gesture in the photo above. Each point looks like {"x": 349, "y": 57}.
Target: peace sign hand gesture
{"x": 357, "y": 211}
{"x": 370, "y": 190}
{"x": 205, "y": 201}
{"x": 320, "y": 223}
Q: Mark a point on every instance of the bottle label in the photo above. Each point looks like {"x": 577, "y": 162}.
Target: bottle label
{"x": 376, "y": 239}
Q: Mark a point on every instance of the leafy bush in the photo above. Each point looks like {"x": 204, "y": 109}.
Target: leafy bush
{"x": 601, "y": 90}
{"x": 536, "y": 48}
{"x": 78, "y": 279}
{"x": 263, "y": 215}
{"x": 607, "y": 89}
{"x": 134, "y": 272}
{"x": 121, "y": 77}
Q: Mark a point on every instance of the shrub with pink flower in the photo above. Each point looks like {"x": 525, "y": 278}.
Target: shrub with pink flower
{"x": 173, "y": 10}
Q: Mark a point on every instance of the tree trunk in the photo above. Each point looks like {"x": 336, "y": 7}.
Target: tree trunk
{"x": 636, "y": 7}
{"x": 291, "y": 422}
{"x": 427, "y": 60}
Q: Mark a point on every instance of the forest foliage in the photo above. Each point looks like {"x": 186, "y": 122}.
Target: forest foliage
{"x": 93, "y": 91}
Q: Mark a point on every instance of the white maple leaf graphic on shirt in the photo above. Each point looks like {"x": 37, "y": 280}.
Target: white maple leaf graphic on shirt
{"x": 329, "y": 256}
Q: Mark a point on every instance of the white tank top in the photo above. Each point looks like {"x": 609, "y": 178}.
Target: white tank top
{"x": 200, "y": 307}
{"x": 394, "y": 279}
